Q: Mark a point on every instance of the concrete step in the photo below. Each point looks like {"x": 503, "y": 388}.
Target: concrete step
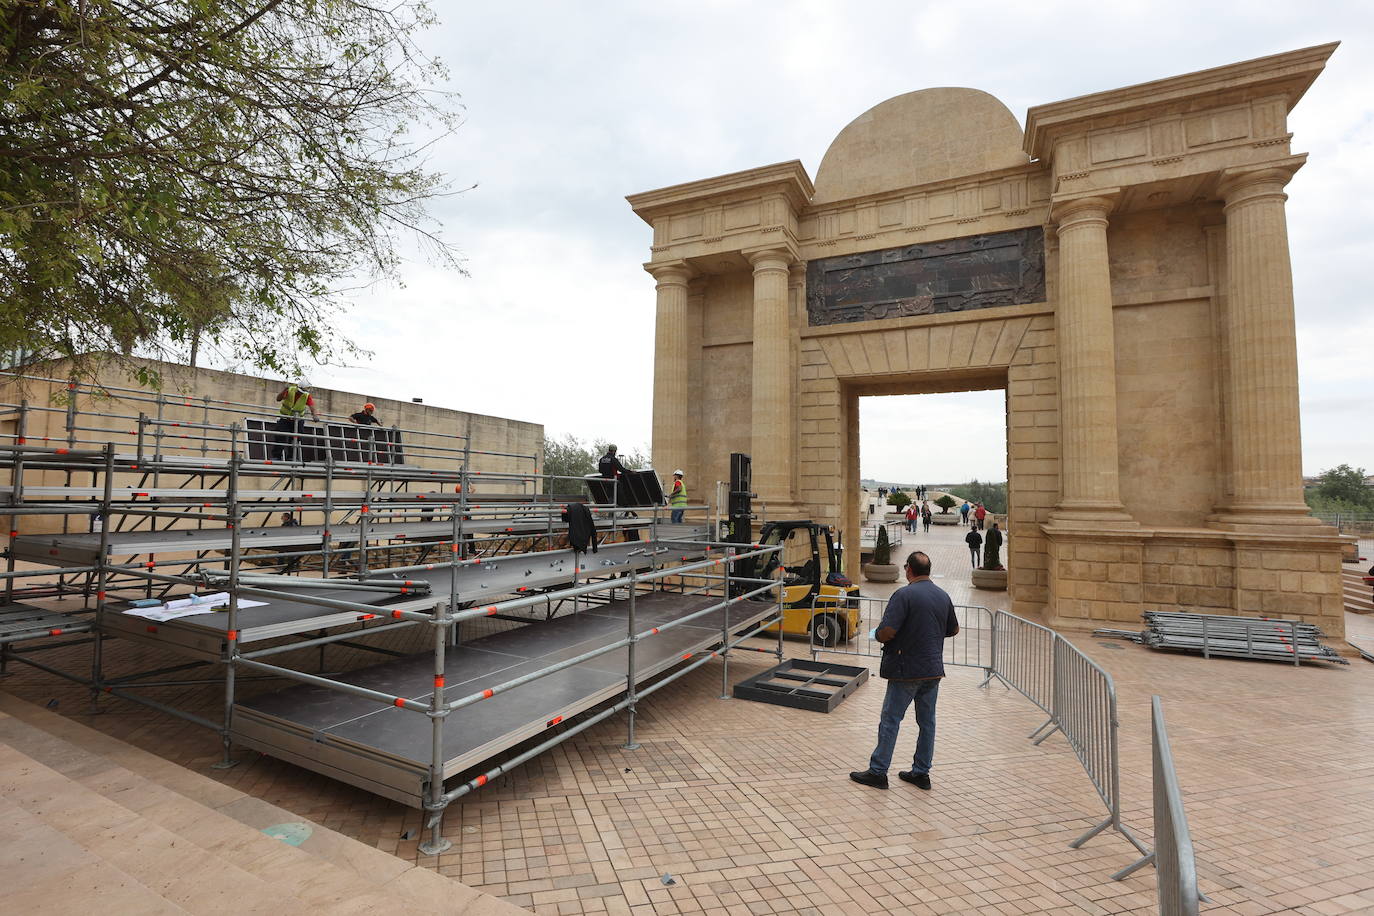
{"x": 327, "y": 871}
{"x": 1356, "y": 592}
{"x": 44, "y": 868}
{"x": 164, "y": 862}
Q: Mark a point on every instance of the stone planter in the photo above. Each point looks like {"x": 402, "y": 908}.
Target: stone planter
{"x": 991, "y": 579}
{"x": 947, "y": 518}
{"x": 881, "y": 572}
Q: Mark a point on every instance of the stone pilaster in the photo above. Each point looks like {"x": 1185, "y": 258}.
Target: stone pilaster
{"x": 672, "y": 431}
{"x": 1090, "y": 492}
{"x": 772, "y": 434}
{"x": 1265, "y": 454}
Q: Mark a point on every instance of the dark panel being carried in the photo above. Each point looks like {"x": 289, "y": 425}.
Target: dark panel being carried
{"x": 955, "y": 275}
{"x": 800, "y": 684}
{"x": 637, "y": 489}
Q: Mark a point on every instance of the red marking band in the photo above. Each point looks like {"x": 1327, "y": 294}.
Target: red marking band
{"x": 55, "y": 632}
{"x": 554, "y": 721}
{"x": 367, "y": 616}
{"x": 62, "y": 451}
{"x": 687, "y": 656}
{"x": 99, "y": 596}
{"x": 491, "y": 611}
{"x": 22, "y": 440}
{"x": 149, "y": 565}
{"x": 438, "y": 682}
{"x": 396, "y": 614}
{"x": 488, "y": 694}
{"x": 232, "y": 635}
{"x": 151, "y": 629}
{"x": 399, "y": 701}
{"x": 653, "y": 631}
{"x": 480, "y": 781}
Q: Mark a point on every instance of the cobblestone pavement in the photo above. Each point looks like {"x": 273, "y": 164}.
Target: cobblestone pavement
{"x": 748, "y": 806}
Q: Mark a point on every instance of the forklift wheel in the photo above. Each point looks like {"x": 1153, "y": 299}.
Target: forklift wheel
{"x": 826, "y": 630}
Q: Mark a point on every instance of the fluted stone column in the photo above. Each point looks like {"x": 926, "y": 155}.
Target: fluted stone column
{"x": 772, "y": 439}
{"x": 1262, "y": 387}
{"x": 671, "y": 361}
{"x": 1090, "y": 491}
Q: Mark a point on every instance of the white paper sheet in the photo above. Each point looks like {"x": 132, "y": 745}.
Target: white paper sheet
{"x": 190, "y": 606}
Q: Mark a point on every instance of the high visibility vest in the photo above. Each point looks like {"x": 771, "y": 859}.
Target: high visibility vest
{"x": 679, "y": 496}
{"x": 295, "y": 402}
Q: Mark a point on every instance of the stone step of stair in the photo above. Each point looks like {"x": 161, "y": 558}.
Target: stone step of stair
{"x": 327, "y": 870}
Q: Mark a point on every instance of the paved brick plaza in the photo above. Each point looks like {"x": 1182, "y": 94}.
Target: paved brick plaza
{"x": 749, "y": 807}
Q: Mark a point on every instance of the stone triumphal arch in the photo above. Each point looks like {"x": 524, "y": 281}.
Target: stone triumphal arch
{"x": 1121, "y": 268}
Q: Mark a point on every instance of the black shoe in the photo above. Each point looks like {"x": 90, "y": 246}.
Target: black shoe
{"x": 919, "y": 780}
{"x": 869, "y": 778}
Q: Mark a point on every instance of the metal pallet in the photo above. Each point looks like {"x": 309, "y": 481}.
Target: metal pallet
{"x": 801, "y": 684}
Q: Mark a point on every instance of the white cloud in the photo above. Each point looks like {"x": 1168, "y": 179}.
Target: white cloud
{"x": 572, "y": 106}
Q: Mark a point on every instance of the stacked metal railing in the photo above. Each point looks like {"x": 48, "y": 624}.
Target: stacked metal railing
{"x": 1236, "y": 637}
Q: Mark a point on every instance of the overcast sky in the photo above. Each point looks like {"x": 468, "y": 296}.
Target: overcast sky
{"x": 571, "y": 106}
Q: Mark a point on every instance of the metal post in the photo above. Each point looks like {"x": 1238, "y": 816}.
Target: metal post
{"x": 454, "y": 548}
{"x": 725, "y": 629}
{"x": 630, "y": 687}
{"x": 205, "y": 419}
{"x": 142, "y": 425}
{"x": 780, "y": 611}
{"x": 362, "y": 525}
{"x": 102, "y": 564}
{"x": 1293, "y": 633}
{"x": 157, "y": 440}
{"x": 327, "y": 536}
{"x": 17, "y": 495}
{"x": 231, "y": 644}
{"x": 437, "y": 711}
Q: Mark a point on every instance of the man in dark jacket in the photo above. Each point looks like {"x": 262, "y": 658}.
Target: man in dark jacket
{"x": 918, "y": 620}
{"x": 974, "y": 540}
{"x": 609, "y": 466}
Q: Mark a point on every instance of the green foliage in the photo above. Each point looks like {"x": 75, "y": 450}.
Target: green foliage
{"x": 882, "y": 548}
{"x": 899, "y": 499}
{"x": 945, "y": 502}
{"x": 1342, "y": 489}
{"x": 993, "y": 496}
{"x": 570, "y": 457}
{"x": 183, "y": 173}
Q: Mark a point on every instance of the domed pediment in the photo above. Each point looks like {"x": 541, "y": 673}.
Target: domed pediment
{"x": 923, "y": 136}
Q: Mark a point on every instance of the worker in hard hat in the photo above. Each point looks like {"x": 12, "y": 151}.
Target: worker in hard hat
{"x": 295, "y": 401}
{"x": 678, "y": 497}
{"x": 368, "y": 442}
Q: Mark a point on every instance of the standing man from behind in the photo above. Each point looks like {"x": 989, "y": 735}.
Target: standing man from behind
{"x": 980, "y": 513}
{"x": 974, "y": 540}
{"x": 295, "y": 401}
{"x": 678, "y": 498}
{"x": 918, "y": 620}
{"x": 964, "y": 511}
{"x": 609, "y": 465}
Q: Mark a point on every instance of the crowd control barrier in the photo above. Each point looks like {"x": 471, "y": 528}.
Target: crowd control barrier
{"x": 1175, "y": 868}
{"x": 1075, "y": 692}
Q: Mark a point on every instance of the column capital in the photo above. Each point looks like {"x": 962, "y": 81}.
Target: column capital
{"x": 772, "y": 257}
{"x": 1243, "y": 184}
{"x": 1068, "y": 212}
{"x": 670, "y": 273}
{"x": 796, "y": 273}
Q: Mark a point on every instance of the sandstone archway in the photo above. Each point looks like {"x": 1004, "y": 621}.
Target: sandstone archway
{"x": 1121, "y": 269}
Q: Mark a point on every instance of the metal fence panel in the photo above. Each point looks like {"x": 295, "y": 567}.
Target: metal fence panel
{"x": 971, "y": 648}
{"x": 1023, "y": 657}
{"x": 1085, "y": 711}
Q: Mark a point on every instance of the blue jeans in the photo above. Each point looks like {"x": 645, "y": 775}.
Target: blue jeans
{"x": 677, "y": 516}
{"x": 900, "y": 695}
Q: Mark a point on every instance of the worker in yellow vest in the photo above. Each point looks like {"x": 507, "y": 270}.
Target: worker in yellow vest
{"x": 678, "y": 498}
{"x": 295, "y": 401}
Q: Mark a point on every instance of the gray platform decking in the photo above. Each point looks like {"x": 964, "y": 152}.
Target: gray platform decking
{"x": 386, "y": 750}
{"x": 84, "y": 549}
{"x": 20, "y": 622}
{"x": 203, "y": 635}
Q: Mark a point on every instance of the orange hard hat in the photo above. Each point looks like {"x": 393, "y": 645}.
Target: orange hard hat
{"x": 369, "y": 407}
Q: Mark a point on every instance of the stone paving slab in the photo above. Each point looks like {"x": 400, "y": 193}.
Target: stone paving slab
{"x": 749, "y": 807}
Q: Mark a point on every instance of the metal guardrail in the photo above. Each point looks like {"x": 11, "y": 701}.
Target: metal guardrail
{"x": 1074, "y": 691}
{"x": 1175, "y": 866}
{"x": 971, "y": 648}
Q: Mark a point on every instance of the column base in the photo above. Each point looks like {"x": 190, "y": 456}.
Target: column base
{"x": 1262, "y": 518}
{"x": 1080, "y": 515}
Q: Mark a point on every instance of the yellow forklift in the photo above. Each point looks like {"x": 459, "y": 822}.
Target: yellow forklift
{"x": 818, "y": 599}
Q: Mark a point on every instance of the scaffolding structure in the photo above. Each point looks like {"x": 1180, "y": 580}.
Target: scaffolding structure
{"x": 402, "y": 541}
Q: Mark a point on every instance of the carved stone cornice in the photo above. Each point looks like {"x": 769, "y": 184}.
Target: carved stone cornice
{"x": 1066, "y": 212}
{"x": 1265, "y": 179}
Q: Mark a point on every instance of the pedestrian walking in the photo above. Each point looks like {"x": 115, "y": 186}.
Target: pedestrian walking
{"x": 974, "y": 540}
{"x": 919, "y": 618}
{"x": 925, "y": 516}
{"x": 678, "y": 498}
{"x": 964, "y": 510}
{"x": 979, "y": 514}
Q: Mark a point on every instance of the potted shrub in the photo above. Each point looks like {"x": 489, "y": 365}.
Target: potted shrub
{"x": 992, "y": 575}
{"x": 881, "y": 569}
{"x": 945, "y": 502}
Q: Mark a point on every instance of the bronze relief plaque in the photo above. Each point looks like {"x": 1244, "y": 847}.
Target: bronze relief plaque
{"x": 955, "y": 275}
